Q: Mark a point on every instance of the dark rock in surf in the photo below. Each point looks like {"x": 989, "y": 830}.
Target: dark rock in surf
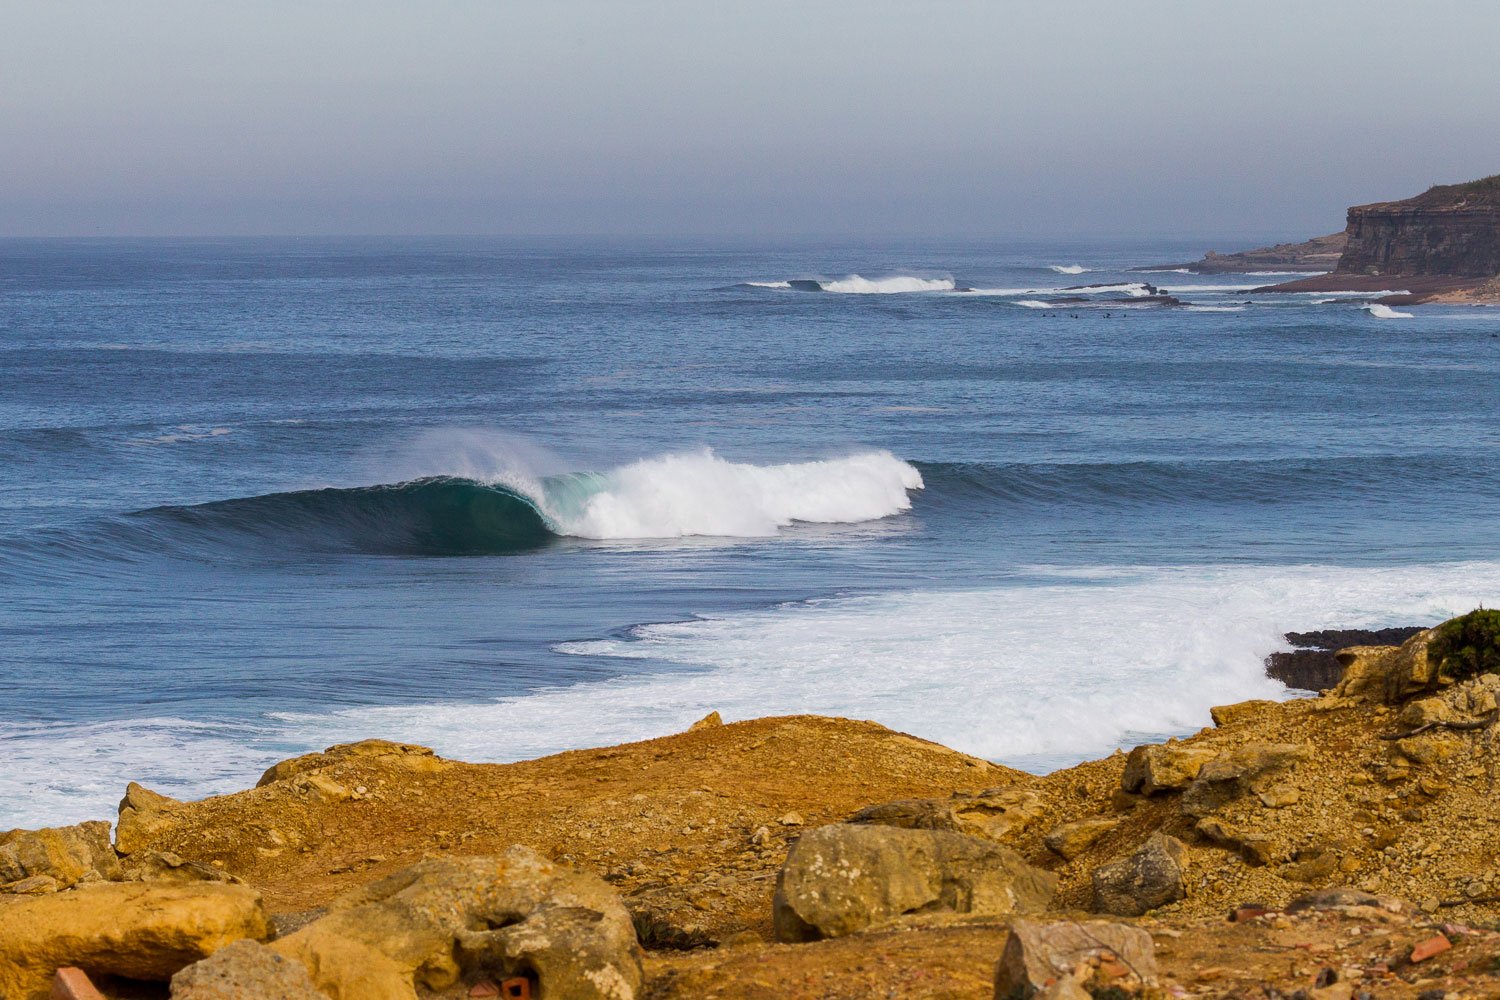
{"x": 1312, "y": 665}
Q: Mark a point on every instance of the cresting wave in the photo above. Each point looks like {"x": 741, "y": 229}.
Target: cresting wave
{"x": 1380, "y": 311}
{"x": 857, "y": 285}
{"x": 667, "y": 496}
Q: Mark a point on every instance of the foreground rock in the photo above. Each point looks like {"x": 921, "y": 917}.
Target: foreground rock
{"x": 846, "y": 878}
{"x": 37, "y": 861}
{"x": 1095, "y": 955}
{"x": 245, "y": 970}
{"x": 993, "y": 813}
{"x": 132, "y": 930}
{"x": 455, "y": 920}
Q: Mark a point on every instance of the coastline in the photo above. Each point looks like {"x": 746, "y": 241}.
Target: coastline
{"x": 694, "y": 830}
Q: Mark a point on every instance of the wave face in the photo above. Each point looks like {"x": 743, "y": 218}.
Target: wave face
{"x": 433, "y": 516}
{"x": 668, "y": 496}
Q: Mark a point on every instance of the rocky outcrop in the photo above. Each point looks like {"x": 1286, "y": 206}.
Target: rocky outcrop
{"x": 1069, "y": 840}
{"x": 133, "y": 930}
{"x": 1321, "y": 253}
{"x": 38, "y": 861}
{"x": 245, "y": 970}
{"x": 409, "y": 756}
{"x": 1312, "y": 665}
{"x": 445, "y": 921}
{"x": 1095, "y": 954}
{"x": 1150, "y": 877}
{"x": 847, "y": 878}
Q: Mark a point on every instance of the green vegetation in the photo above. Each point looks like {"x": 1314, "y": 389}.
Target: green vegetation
{"x": 1468, "y": 645}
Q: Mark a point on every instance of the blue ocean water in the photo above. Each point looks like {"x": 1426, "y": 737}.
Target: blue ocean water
{"x": 505, "y": 497}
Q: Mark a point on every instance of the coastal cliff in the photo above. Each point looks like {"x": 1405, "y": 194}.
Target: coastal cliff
{"x": 1452, "y": 230}
{"x": 1319, "y": 254}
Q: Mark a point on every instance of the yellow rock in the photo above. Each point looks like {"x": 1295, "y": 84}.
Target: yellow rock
{"x": 143, "y": 815}
{"x": 138, "y": 930}
{"x": 430, "y": 925}
{"x": 65, "y": 855}
{"x": 407, "y": 756}
{"x": 1228, "y": 715}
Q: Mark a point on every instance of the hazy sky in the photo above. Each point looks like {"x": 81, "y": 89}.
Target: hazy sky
{"x": 992, "y": 119}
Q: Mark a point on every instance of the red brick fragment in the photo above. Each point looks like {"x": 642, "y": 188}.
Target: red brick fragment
{"x": 73, "y": 984}
{"x": 1435, "y": 945}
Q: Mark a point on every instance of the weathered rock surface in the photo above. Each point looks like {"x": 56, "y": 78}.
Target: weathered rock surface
{"x": 1165, "y": 767}
{"x": 56, "y": 857}
{"x": 164, "y": 866}
{"x": 1069, "y": 840}
{"x": 846, "y": 878}
{"x": 1090, "y": 953}
{"x": 443, "y": 921}
{"x": 993, "y": 814}
{"x": 1150, "y": 877}
{"x": 144, "y": 815}
{"x": 407, "y": 755}
{"x": 245, "y": 970}
{"x": 1252, "y": 768}
{"x": 130, "y": 929}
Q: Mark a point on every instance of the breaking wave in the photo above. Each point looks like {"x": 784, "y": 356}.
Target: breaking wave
{"x": 856, "y": 285}
{"x": 667, "y": 496}
{"x": 1069, "y": 268}
{"x": 1385, "y": 312}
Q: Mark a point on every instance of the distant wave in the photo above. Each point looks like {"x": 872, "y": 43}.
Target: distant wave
{"x": 1385, "y": 312}
{"x": 856, "y": 285}
{"x": 667, "y": 496}
{"x": 1215, "y": 309}
{"x": 1069, "y": 268}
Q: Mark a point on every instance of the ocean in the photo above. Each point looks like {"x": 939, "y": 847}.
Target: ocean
{"x": 508, "y": 497}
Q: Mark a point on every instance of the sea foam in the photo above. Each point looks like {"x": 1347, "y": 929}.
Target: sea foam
{"x": 1380, "y": 311}
{"x": 1053, "y": 668}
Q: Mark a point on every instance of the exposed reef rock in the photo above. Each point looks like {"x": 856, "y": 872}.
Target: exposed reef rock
{"x": 1321, "y": 253}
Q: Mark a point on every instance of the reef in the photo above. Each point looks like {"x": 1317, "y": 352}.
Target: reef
{"x": 1334, "y": 846}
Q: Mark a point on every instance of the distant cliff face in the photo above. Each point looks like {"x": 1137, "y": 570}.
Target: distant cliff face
{"x": 1451, "y": 230}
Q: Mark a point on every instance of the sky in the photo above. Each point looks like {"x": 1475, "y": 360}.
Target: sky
{"x": 998, "y": 119}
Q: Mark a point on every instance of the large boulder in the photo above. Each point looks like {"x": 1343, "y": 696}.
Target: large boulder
{"x": 407, "y": 756}
{"x": 144, "y": 815}
{"x": 1165, "y": 767}
{"x": 56, "y": 857}
{"x": 136, "y": 930}
{"x": 245, "y": 970}
{"x": 846, "y": 878}
{"x": 1150, "y": 877}
{"x": 1252, "y": 768}
{"x": 451, "y": 919}
{"x": 1093, "y": 954}
{"x": 992, "y": 814}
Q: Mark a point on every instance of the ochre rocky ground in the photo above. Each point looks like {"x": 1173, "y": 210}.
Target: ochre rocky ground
{"x": 1386, "y": 785}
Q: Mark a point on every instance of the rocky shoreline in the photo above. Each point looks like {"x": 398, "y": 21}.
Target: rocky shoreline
{"x": 1337, "y": 846}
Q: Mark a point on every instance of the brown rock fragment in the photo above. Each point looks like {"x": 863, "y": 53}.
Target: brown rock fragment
{"x": 1149, "y": 878}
